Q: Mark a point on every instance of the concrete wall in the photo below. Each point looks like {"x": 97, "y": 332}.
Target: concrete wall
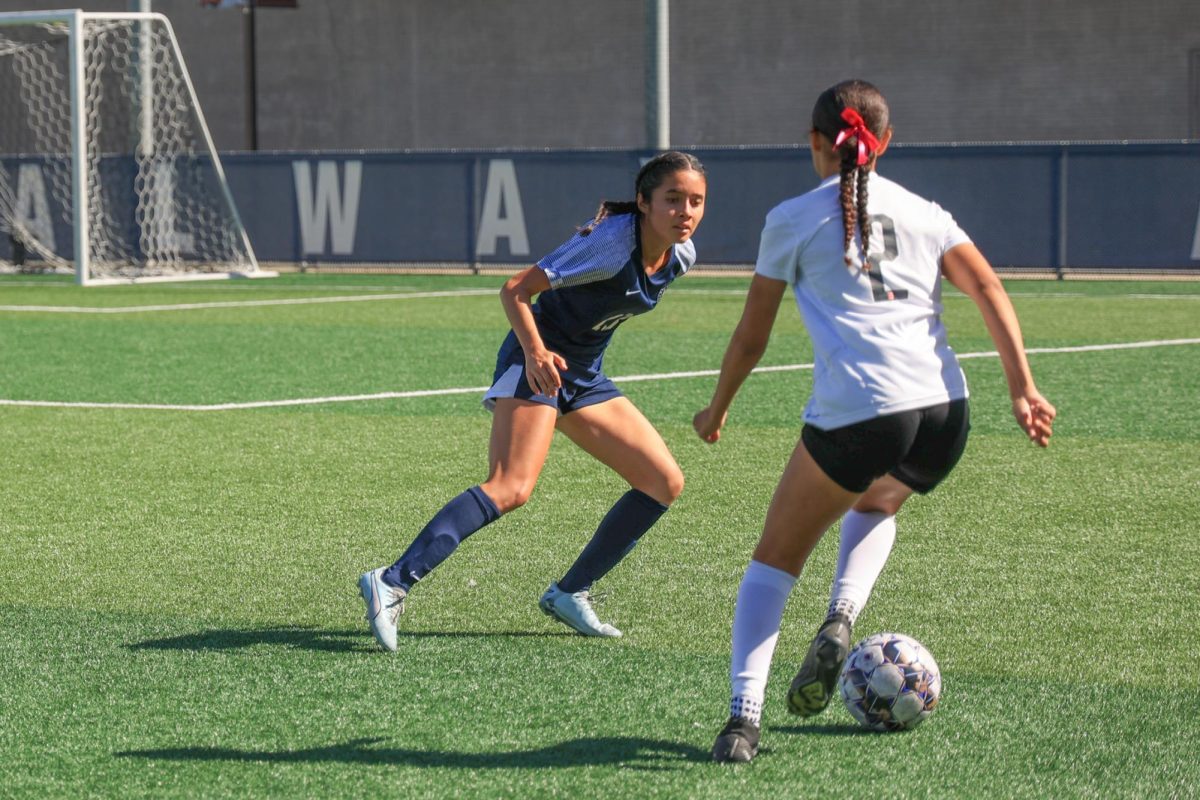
{"x": 386, "y": 74}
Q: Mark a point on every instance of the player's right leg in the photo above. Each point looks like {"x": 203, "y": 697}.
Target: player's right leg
{"x": 521, "y": 434}
{"x": 805, "y": 504}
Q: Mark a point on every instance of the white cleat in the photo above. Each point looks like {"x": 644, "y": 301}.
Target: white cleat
{"x": 575, "y": 611}
{"x": 385, "y": 604}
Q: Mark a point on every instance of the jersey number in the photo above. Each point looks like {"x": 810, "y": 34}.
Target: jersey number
{"x": 875, "y": 260}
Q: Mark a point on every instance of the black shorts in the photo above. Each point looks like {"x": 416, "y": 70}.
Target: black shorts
{"x": 918, "y": 448}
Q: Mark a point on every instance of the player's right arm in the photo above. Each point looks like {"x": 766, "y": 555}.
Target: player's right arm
{"x": 966, "y": 268}
{"x": 541, "y": 365}
{"x": 746, "y": 347}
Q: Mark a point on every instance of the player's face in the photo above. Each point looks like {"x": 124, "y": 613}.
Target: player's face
{"x": 675, "y": 207}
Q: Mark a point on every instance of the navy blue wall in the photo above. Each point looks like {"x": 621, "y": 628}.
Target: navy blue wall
{"x": 1047, "y": 206}
{"x": 1118, "y": 206}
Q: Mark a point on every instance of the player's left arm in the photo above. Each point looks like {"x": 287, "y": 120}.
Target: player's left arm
{"x": 966, "y": 268}
{"x": 746, "y": 347}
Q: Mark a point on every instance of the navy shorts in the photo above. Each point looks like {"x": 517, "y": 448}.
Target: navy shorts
{"x": 917, "y": 448}
{"x": 580, "y": 387}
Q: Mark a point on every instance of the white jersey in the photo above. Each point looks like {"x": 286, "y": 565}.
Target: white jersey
{"x": 878, "y": 338}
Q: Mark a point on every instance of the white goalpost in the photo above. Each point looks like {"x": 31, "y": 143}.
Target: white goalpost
{"x": 107, "y": 168}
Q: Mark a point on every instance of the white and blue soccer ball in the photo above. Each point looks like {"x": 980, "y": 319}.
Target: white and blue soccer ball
{"x": 890, "y": 682}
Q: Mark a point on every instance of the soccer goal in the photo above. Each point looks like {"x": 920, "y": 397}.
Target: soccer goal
{"x": 107, "y": 169}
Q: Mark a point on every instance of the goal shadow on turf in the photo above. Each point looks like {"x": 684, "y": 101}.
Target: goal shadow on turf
{"x": 627, "y": 752}
{"x": 303, "y": 638}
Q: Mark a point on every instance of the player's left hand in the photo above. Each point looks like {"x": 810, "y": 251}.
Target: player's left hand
{"x": 1035, "y": 415}
{"x": 708, "y": 424}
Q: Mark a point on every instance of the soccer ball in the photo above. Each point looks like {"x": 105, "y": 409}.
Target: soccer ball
{"x": 890, "y": 682}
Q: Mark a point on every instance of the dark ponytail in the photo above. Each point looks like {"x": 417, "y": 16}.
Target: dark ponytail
{"x": 649, "y": 177}
{"x": 827, "y": 118}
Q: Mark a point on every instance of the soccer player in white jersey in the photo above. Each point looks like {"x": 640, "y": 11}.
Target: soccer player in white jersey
{"x": 549, "y": 374}
{"x": 888, "y": 411}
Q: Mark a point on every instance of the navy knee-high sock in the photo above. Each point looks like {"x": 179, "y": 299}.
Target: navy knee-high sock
{"x": 629, "y": 518}
{"x": 457, "y": 520}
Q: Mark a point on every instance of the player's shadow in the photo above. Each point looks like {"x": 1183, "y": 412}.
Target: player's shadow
{"x": 628, "y": 752}
{"x": 827, "y": 729}
{"x": 299, "y": 637}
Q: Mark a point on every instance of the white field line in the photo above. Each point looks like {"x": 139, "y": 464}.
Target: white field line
{"x": 661, "y": 376}
{"x": 287, "y": 301}
{"x": 362, "y": 298}
{"x": 222, "y": 287}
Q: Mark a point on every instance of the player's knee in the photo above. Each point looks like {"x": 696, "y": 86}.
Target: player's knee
{"x": 881, "y": 504}
{"x": 674, "y": 485}
{"x": 667, "y": 487}
{"x": 510, "y": 496}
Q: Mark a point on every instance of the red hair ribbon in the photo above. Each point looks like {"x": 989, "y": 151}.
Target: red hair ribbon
{"x": 867, "y": 143}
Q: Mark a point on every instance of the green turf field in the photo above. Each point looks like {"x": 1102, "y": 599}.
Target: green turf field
{"x": 178, "y": 605}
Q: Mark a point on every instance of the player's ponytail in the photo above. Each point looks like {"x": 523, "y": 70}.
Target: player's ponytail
{"x": 649, "y": 178}
{"x": 854, "y": 116}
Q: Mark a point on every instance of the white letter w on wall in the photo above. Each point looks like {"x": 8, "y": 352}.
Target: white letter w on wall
{"x": 327, "y": 207}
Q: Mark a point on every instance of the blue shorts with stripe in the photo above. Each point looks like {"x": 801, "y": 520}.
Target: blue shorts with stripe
{"x": 582, "y": 385}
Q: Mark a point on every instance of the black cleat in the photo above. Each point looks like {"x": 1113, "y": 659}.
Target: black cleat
{"x": 814, "y": 684}
{"x": 737, "y": 741}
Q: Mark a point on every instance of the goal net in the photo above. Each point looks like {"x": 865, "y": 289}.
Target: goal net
{"x": 107, "y": 169}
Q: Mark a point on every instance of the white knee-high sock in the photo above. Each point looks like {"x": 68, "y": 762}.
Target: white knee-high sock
{"x": 866, "y": 543}
{"x": 761, "y": 598}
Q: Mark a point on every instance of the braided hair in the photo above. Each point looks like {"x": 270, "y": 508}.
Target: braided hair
{"x": 649, "y": 177}
{"x": 854, "y": 116}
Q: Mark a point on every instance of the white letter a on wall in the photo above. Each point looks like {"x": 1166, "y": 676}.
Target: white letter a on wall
{"x": 32, "y": 209}
{"x": 502, "y": 192}
{"x": 1196, "y": 240}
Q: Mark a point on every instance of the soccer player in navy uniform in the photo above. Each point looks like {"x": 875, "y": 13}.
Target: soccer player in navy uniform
{"x": 888, "y": 411}
{"x": 550, "y": 374}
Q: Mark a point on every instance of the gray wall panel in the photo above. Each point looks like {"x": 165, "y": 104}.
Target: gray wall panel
{"x": 382, "y": 74}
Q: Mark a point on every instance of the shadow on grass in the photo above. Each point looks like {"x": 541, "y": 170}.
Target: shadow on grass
{"x": 634, "y": 753}
{"x": 335, "y": 641}
{"x": 833, "y": 730}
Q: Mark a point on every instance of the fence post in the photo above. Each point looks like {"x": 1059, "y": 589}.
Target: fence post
{"x": 1062, "y": 185}
{"x": 474, "y": 190}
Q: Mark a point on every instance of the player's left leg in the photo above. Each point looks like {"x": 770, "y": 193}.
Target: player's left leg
{"x": 867, "y": 535}
{"x": 619, "y": 436}
{"x": 868, "y": 532}
{"x": 869, "y": 528}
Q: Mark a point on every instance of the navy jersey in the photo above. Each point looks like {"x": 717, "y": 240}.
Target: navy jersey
{"x": 597, "y": 282}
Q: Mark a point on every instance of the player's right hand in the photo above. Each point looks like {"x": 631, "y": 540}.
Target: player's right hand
{"x": 708, "y": 424}
{"x": 541, "y": 371}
